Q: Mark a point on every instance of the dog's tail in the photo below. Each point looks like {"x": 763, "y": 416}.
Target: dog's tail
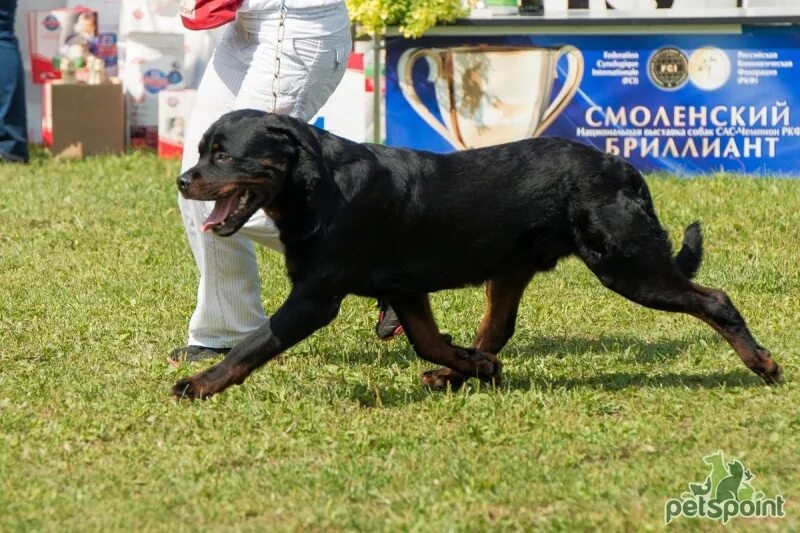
{"x": 691, "y": 253}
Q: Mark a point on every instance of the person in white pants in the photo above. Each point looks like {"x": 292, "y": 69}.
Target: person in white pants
{"x": 284, "y": 56}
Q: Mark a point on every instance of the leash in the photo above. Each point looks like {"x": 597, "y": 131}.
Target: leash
{"x": 278, "y": 53}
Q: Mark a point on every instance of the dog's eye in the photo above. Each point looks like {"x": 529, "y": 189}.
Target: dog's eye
{"x": 221, "y": 157}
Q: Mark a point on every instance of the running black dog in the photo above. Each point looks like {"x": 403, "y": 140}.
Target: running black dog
{"x": 398, "y": 224}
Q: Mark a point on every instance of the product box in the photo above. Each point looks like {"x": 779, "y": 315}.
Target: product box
{"x": 153, "y": 63}
{"x": 163, "y": 16}
{"x": 108, "y": 12}
{"x": 108, "y": 15}
{"x": 106, "y": 49}
{"x": 174, "y": 107}
{"x": 60, "y": 32}
{"x": 80, "y": 120}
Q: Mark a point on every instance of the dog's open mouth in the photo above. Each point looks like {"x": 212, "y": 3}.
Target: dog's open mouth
{"x": 230, "y": 213}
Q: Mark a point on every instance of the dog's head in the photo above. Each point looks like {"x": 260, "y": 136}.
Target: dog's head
{"x": 246, "y": 159}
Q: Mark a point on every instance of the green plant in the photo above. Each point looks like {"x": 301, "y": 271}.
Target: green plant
{"x": 412, "y": 17}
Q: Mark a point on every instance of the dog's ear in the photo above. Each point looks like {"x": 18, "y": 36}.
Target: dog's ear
{"x": 310, "y": 165}
{"x": 301, "y": 137}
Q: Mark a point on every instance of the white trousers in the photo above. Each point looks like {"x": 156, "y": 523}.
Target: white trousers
{"x": 313, "y": 56}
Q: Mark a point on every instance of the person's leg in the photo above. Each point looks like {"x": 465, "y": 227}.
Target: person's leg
{"x": 13, "y": 124}
{"x": 309, "y": 71}
{"x": 228, "y": 295}
{"x": 228, "y": 303}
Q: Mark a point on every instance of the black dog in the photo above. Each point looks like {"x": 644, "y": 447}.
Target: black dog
{"x": 397, "y": 224}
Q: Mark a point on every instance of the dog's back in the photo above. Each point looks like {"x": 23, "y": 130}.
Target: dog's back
{"x": 442, "y": 221}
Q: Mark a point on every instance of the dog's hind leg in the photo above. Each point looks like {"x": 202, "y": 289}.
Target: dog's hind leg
{"x": 618, "y": 235}
{"x": 414, "y": 312}
{"x": 503, "y": 295}
{"x": 654, "y": 280}
{"x": 717, "y": 310}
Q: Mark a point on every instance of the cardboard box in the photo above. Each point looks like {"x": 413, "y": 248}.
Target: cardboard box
{"x": 153, "y": 63}
{"x": 80, "y": 120}
{"x": 173, "y": 115}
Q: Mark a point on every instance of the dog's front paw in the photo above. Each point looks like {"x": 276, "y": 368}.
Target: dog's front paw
{"x": 192, "y": 388}
{"x": 442, "y": 378}
{"x": 766, "y": 367}
{"x": 775, "y": 377}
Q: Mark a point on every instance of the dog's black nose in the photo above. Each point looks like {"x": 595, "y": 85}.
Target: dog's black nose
{"x": 185, "y": 180}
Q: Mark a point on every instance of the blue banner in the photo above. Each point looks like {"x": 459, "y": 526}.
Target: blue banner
{"x": 686, "y": 104}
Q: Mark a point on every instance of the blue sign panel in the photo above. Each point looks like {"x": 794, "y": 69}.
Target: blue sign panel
{"x": 686, "y": 104}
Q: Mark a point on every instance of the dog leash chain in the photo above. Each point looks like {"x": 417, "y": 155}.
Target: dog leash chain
{"x": 278, "y": 51}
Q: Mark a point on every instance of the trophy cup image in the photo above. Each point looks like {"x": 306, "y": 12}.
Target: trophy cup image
{"x": 490, "y": 95}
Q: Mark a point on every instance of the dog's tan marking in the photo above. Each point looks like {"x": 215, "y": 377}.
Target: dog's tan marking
{"x": 420, "y": 326}
{"x": 503, "y": 296}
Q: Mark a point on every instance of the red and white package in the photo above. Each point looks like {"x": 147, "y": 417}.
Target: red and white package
{"x": 153, "y": 63}
{"x": 173, "y": 115}
{"x": 71, "y": 33}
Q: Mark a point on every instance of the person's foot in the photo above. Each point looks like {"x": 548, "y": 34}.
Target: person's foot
{"x": 193, "y": 353}
{"x": 388, "y": 326}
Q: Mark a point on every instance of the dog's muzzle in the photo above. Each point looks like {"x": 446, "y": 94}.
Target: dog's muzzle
{"x": 185, "y": 181}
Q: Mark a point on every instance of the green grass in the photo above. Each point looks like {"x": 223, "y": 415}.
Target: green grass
{"x": 606, "y": 411}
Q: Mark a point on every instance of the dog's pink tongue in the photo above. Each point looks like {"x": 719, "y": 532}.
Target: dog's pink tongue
{"x": 222, "y": 208}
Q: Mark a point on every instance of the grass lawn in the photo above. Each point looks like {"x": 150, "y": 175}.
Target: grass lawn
{"x": 606, "y": 412}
